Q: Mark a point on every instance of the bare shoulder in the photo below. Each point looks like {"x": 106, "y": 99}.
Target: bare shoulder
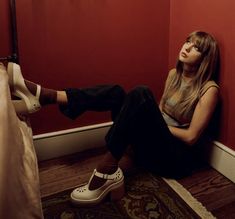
{"x": 172, "y": 72}
{"x": 213, "y": 90}
{"x": 211, "y": 96}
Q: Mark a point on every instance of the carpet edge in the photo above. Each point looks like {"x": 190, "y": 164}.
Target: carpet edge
{"x": 191, "y": 201}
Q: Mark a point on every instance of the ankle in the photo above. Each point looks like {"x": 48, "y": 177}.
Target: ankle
{"x": 48, "y": 96}
{"x": 96, "y": 182}
{"x": 62, "y": 97}
{"x": 107, "y": 169}
{"x": 108, "y": 165}
{"x": 32, "y": 87}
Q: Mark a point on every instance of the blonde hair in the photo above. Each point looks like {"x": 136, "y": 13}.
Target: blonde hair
{"x": 207, "y": 70}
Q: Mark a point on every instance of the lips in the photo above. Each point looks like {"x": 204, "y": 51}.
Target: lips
{"x": 183, "y": 54}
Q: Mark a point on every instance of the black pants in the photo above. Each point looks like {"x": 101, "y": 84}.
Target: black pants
{"x": 137, "y": 121}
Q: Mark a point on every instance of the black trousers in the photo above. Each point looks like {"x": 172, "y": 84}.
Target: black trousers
{"x": 137, "y": 121}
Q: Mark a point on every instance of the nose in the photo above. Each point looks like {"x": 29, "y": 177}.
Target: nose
{"x": 188, "y": 47}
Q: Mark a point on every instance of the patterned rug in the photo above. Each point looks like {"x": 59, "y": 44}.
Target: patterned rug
{"x": 146, "y": 197}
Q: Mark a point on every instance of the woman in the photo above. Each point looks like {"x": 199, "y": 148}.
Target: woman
{"x": 162, "y": 138}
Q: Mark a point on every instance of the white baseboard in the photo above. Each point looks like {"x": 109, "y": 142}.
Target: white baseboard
{"x": 222, "y": 158}
{"x": 57, "y": 144}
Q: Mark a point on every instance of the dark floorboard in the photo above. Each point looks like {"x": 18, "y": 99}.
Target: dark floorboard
{"x": 212, "y": 189}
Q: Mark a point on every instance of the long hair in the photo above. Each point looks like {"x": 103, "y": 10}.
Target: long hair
{"x": 208, "y": 69}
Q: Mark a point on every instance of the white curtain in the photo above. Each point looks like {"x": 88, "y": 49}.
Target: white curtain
{"x": 19, "y": 179}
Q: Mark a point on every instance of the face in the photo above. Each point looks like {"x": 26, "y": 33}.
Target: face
{"x": 189, "y": 53}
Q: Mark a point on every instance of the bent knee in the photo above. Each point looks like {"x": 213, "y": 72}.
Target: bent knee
{"x": 118, "y": 90}
{"x": 142, "y": 89}
{"x": 142, "y": 92}
{"x": 116, "y": 94}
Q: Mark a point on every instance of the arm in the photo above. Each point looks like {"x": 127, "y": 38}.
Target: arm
{"x": 201, "y": 117}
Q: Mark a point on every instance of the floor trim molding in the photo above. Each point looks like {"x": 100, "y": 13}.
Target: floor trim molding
{"x": 56, "y": 144}
{"x": 222, "y": 158}
{"x": 65, "y": 142}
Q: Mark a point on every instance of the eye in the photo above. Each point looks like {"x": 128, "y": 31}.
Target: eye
{"x": 196, "y": 48}
{"x": 188, "y": 42}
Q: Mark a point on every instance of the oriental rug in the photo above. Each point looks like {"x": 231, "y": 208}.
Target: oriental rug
{"x": 147, "y": 197}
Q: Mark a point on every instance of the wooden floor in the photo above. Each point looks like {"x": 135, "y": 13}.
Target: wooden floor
{"x": 213, "y": 190}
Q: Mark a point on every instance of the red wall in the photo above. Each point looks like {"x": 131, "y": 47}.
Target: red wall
{"x": 83, "y": 43}
{"x": 5, "y": 34}
{"x": 216, "y": 17}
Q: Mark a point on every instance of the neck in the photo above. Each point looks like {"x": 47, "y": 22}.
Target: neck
{"x": 189, "y": 70}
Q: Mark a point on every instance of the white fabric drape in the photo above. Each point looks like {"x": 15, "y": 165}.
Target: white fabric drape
{"x": 19, "y": 178}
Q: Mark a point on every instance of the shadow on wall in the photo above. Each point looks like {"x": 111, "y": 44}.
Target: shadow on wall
{"x": 214, "y": 126}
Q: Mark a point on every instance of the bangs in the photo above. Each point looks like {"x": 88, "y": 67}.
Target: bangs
{"x": 200, "y": 39}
